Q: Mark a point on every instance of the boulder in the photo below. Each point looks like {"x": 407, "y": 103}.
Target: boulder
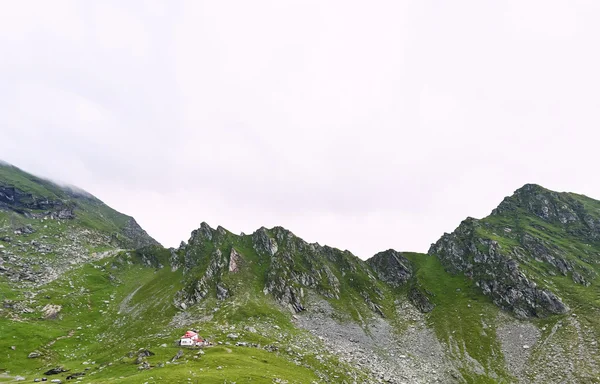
{"x": 55, "y": 371}
{"x": 178, "y": 355}
{"x": 235, "y": 261}
{"x": 51, "y": 311}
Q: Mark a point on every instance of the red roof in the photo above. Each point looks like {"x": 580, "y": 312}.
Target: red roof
{"x": 190, "y": 335}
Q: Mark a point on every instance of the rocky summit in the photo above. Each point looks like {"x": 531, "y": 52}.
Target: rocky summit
{"x": 86, "y": 295}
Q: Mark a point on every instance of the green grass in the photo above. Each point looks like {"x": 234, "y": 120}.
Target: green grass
{"x": 90, "y": 213}
{"x": 28, "y": 183}
{"x": 518, "y": 224}
{"x": 463, "y": 318}
{"x": 113, "y": 307}
{"x": 116, "y": 306}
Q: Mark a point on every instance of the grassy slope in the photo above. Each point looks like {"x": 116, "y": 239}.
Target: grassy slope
{"x": 28, "y": 183}
{"x": 139, "y": 310}
{"x": 453, "y": 319}
{"x": 583, "y": 301}
{"x": 350, "y": 271}
{"x": 463, "y": 318}
{"x": 583, "y": 253}
{"x": 90, "y": 212}
{"x": 112, "y": 308}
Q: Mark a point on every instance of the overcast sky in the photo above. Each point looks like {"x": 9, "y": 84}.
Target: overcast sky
{"x": 365, "y": 125}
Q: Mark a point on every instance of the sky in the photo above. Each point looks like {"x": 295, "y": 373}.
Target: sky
{"x": 364, "y": 125}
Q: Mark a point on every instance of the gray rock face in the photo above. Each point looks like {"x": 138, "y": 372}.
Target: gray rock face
{"x": 420, "y": 300}
{"x": 136, "y": 237}
{"x": 296, "y": 265}
{"x": 222, "y": 292}
{"x": 494, "y": 271}
{"x": 391, "y": 267}
{"x": 210, "y": 281}
{"x": 14, "y": 199}
{"x": 33, "y": 206}
{"x": 263, "y": 243}
{"x": 51, "y": 311}
{"x": 561, "y": 209}
{"x": 280, "y": 280}
{"x": 235, "y": 261}
{"x": 291, "y": 264}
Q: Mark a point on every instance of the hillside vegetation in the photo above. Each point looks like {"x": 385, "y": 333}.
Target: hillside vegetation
{"x": 85, "y": 292}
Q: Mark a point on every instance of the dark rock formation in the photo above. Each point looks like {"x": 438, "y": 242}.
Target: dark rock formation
{"x": 495, "y": 271}
{"x": 391, "y": 267}
{"x": 420, "y": 300}
{"x": 55, "y": 371}
{"x": 135, "y": 236}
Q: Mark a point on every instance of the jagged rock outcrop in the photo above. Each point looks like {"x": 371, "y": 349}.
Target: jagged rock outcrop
{"x": 49, "y": 229}
{"x": 420, "y": 299}
{"x": 495, "y": 271}
{"x": 550, "y": 206}
{"x": 33, "y": 206}
{"x": 198, "y": 244}
{"x": 294, "y": 265}
{"x": 290, "y": 266}
{"x": 17, "y": 200}
{"x": 391, "y": 267}
{"x": 135, "y": 236}
{"x": 263, "y": 243}
{"x": 207, "y": 258}
{"x": 396, "y": 270}
{"x": 495, "y": 266}
{"x": 210, "y": 281}
{"x": 235, "y": 261}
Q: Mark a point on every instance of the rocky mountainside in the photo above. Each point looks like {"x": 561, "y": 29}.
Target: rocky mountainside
{"x": 509, "y": 298}
{"x": 274, "y": 262}
{"x": 514, "y": 254}
{"x": 538, "y": 255}
{"x": 46, "y": 229}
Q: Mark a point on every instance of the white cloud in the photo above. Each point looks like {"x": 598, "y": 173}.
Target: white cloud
{"x": 364, "y": 125}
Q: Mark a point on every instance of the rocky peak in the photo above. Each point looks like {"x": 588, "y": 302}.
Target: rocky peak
{"x": 136, "y": 237}
{"x": 577, "y": 215}
{"x": 545, "y": 204}
{"x": 205, "y": 231}
{"x": 207, "y": 234}
{"x": 459, "y": 247}
{"x": 475, "y": 250}
{"x": 235, "y": 261}
{"x": 56, "y": 228}
{"x": 264, "y": 244}
{"x": 221, "y": 231}
{"x": 496, "y": 272}
{"x": 286, "y": 265}
{"x": 391, "y": 267}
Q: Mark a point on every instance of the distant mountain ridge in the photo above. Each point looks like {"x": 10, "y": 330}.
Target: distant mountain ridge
{"x": 64, "y": 227}
{"x": 512, "y": 297}
{"x": 36, "y": 197}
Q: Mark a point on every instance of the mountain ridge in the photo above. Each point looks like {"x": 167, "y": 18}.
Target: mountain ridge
{"x": 72, "y": 266}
